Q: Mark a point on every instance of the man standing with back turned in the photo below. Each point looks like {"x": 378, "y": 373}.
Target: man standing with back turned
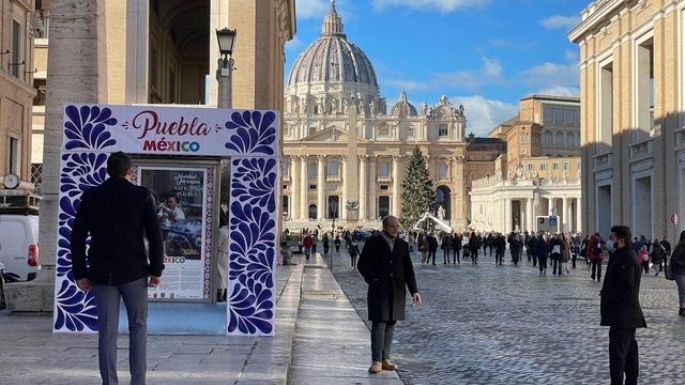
{"x": 116, "y": 215}
{"x": 620, "y": 306}
{"x": 386, "y": 266}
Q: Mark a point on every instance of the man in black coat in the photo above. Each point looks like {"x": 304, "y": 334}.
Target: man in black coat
{"x": 620, "y": 306}
{"x": 386, "y": 266}
{"x": 117, "y": 215}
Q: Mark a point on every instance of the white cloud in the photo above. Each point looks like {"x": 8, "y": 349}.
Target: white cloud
{"x": 483, "y": 114}
{"x": 559, "y": 21}
{"x": 441, "y": 5}
{"x": 559, "y": 91}
{"x": 408, "y": 85}
{"x": 548, "y": 75}
{"x": 311, "y": 8}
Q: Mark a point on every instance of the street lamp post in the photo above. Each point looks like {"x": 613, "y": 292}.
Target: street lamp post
{"x": 226, "y": 38}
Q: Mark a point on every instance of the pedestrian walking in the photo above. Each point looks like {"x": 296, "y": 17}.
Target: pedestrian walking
{"x": 386, "y": 266}
{"x": 555, "y": 249}
{"x": 677, "y": 263}
{"x": 325, "y": 241}
{"x": 117, "y": 216}
{"x": 456, "y": 248}
{"x": 541, "y": 251}
{"x": 354, "y": 252}
{"x": 595, "y": 254}
{"x": 446, "y": 247}
{"x": 307, "y": 244}
{"x": 423, "y": 247}
{"x": 658, "y": 256}
{"x": 336, "y": 243}
{"x": 432, "y": 247}
{"x": 620, "y": 307}
{"x": 565, "y": 253}
{"x": 644, "y": 259}
{"x": 474, "y": 245}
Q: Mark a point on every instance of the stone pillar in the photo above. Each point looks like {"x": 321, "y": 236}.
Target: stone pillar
{"x": 76, "y": 30}
{"x": 551, "y": 206}
{"x": 566, "y": 223}
{"x": 530, "y": 215}
{"x": 373, "y": 199}
{"x": 295, "y": 187}
{"x": 396, "y": 207}
{"x": 304, "y": 187}
{"x": 321, "y": 189}
{"x": 345, "y": 196}
{"x": 363, "y": 193}
{"x": 507, "y": 216}
{"x": 579, "y": 217}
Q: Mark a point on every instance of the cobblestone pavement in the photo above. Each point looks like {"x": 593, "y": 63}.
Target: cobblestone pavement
{"x": 489, "y": 324}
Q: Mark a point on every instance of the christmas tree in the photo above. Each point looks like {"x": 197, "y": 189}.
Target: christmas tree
{"x": 418, "y": 196}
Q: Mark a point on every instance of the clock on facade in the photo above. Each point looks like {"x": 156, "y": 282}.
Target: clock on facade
{"x": 10, "y": 181}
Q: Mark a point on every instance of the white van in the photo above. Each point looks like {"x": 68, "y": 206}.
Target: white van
{"x": 19, "y": 246}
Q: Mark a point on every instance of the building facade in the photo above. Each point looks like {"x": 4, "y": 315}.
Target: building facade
{"x": 633, "y": 141}
{"x": 16, "y": 92}
{"x": 539, "y": 175}
{"x": 345, "y": 152}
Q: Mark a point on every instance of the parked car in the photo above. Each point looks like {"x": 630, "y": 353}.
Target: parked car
{"x": 19, "y": 246}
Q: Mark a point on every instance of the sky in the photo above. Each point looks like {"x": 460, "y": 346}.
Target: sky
{"x": 484, "y": 54}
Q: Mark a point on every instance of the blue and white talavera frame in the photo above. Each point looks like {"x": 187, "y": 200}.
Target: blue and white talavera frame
{"x": 248, "y": 137}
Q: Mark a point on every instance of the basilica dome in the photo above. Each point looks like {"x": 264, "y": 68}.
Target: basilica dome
{"x": 333, "y": 59}
{"x": 403, "y": 108}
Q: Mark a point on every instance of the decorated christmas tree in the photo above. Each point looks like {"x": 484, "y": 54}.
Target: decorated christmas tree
{"x": 418, "y": 196}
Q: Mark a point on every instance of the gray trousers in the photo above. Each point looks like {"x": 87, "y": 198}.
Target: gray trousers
{"x": 680, "y": 281}
{"x": 108, "y": 300}
{"x": 381, "y": 339}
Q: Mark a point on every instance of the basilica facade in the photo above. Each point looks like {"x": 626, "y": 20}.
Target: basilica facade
{"x": 346, "y": 152}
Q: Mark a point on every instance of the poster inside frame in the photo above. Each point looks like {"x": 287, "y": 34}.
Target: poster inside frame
{"x": 183, "y": 196}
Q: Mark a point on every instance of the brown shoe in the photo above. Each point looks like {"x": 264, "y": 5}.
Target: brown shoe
{"x": 375, "y": 367}
{"x": 389, "y": 365}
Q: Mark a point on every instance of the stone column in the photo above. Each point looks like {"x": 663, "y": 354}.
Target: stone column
{"x": 373, "y": 199}
{"x": 579, "y": 217}
{"x": 304, "y": 187}
{"x": 530, "y": 215}
{"x": 396, "y": 207}
{"x": 342, "y": 209}
{"x": 551, "y": 206}
{"x": 507, "y": 216}
{"x": 566, "y": 223}
{"x": 295, "y": 187}
{"x": 321, "y": 189}
{"x": 363, "y": 193}
{"x": 77, "y": 32}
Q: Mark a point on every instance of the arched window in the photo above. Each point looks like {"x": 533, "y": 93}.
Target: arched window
{"x": 559, "y": 139}
{"x": 570, "y": 139}
{"x": 547, "y": 138}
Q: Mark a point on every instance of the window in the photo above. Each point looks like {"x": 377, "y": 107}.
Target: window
{"x": 410, "y": 132}
{"x": 333, "y": 207}
{"x": 542, "y": 166}
{"x": 565, "y": 166}
{"x": 383, "y": 206}
{"x": 559, "y": 139}
{"x": 384, "y": 168}
{"x": 383, "y": 130}
{"x": 16, "y": 61}
{"x": 384, "y": 187}
{"x": 12, "y": 155}
{"x": 312, "y": 187}
{"x": 312, "y": 211}
{"x": 40, "y": 86}
{"x": 312, "y": 170}
{"x": 645, "y": 89}
{"x": 606, "y": 91}
{"x": 443, "y": 170}
{"x": 286, "y": 206}
{"x": 548, "y": 116}
{"x": 558, "y": 116}
{"x": 530, "y": 167}
{"x": 570, "y": 139}
{"x": 333, "y": 167}
{"x": 443, "y": 130}
{"x": 555, "y": 166}
{"x": 285, "y": 167}
{"x": 547, "y": 139}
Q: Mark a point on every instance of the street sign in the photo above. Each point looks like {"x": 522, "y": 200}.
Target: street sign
{"x": 674, "y": 218}
{"x": 552, "y": 220}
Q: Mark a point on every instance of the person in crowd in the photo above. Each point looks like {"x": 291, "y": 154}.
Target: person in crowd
{"x": 354, "y": 252}
{"x": 423, "y": 247}
{"x": 222, "y": 261}
{"x": 575, "y": 250}
{"x": 117, "y": 265}
{"x": 465, "y": 248}
{"x": 386, "y": 266}
{"x": 446, "y": 247}
{"x": 658, "y": 256}
{"x": 667, "y": 246}
{"x": 555, "y": 247}
{"x": 565, "y": 253}
{"x": 474, "y": 245}
{"x": 541, "y": 251}
{"x": 432, "y": 247}
{"x": 456, "y": 248}
{"x": 500, "y": 246}
{"x": 677, "y": 263}
{"x": 594, "y": 253}
{"x": 516, "y": 247}
{"x": 325, "y": 241}
{"x": 620, "y": 307}
{"x": 531, "y": 249}
{"x": 336, "y": 243}
{"x": 307, "y": 243}
{"x": 643, "y": 255}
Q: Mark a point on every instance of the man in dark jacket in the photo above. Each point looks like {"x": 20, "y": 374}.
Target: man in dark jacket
{"x": 386, "y": 266}
{"x": 116, "y": 215}
{"x": 620, "y": 307}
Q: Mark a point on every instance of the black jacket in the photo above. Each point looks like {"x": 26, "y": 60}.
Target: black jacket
{"x": 388, "y": 275}
{"x": 116, "y": 215}
{"x": 620, "y": 304}
{"x": 678, "y": 260}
